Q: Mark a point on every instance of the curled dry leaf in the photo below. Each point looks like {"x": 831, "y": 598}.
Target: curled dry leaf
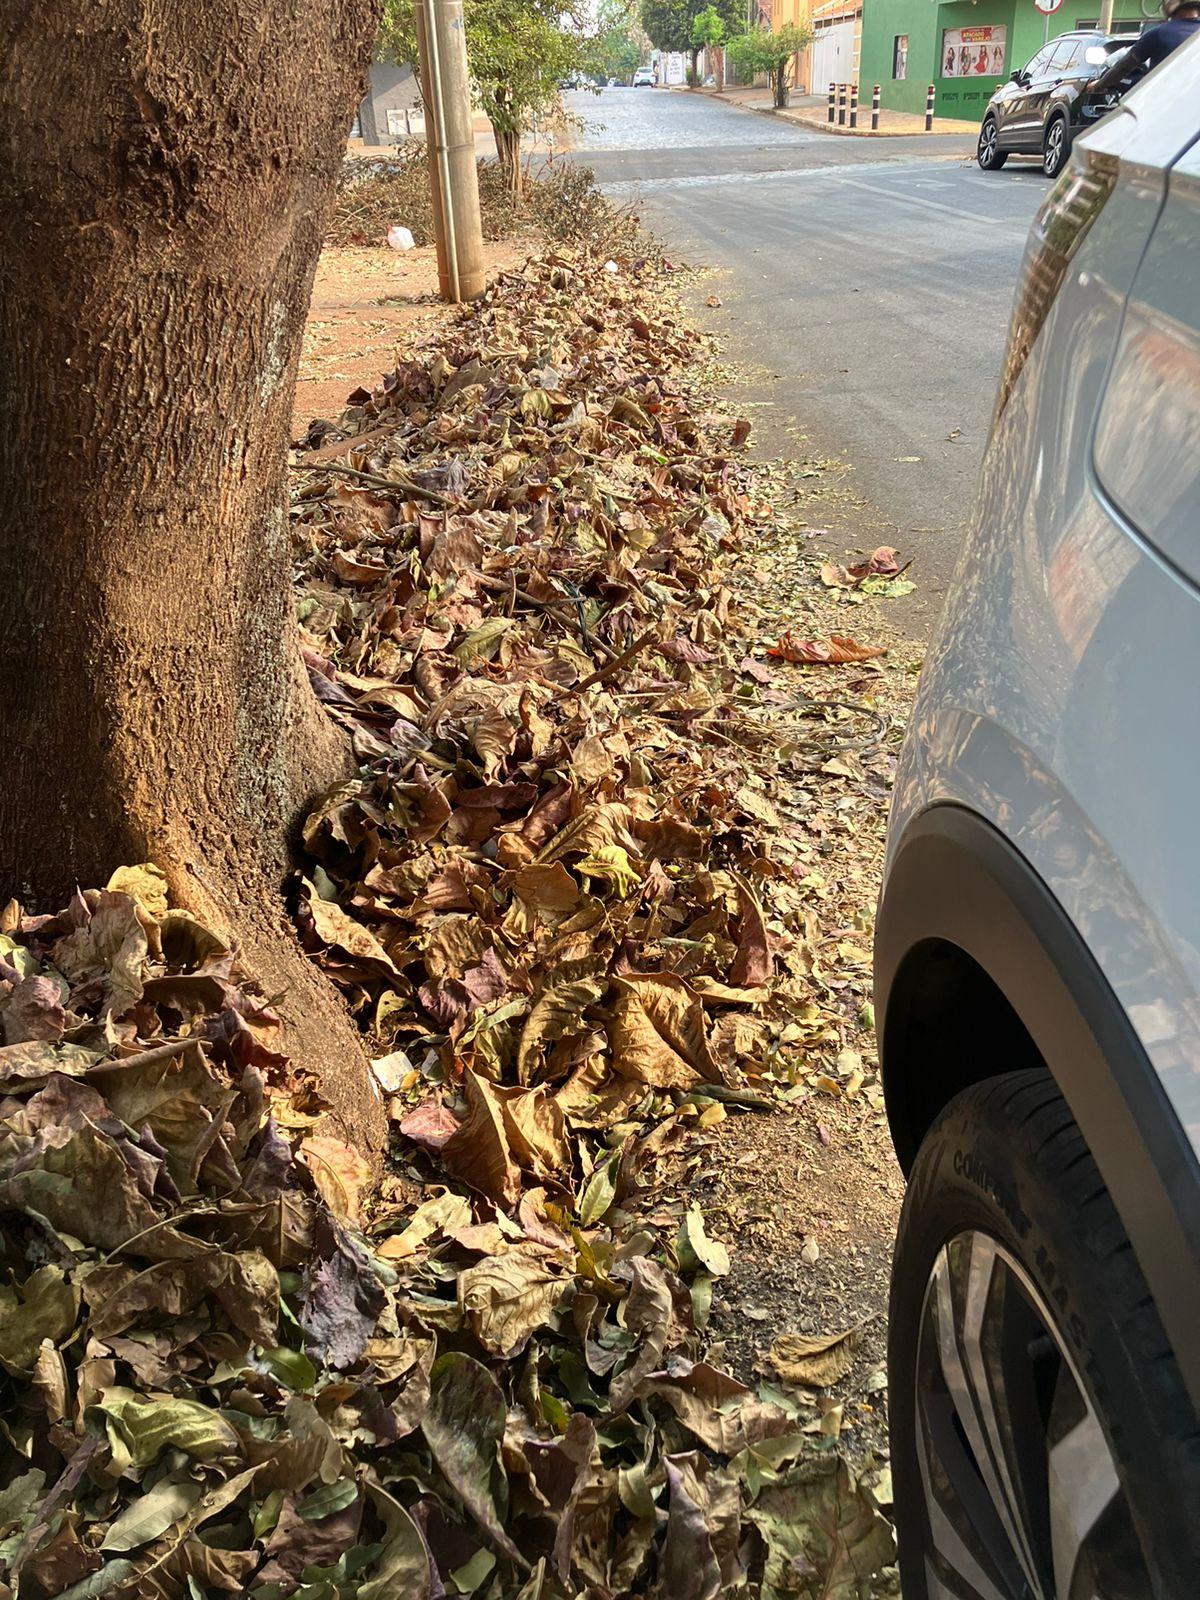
{"x": 816, "y": 1362}
{"x": 838, "y": 650}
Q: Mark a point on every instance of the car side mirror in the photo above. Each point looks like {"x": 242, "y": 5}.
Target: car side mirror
{"x": 1018, "y": 77}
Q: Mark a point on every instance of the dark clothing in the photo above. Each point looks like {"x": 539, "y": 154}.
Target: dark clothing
{"x": 1147, "y": 50}
{"x": 1156, "y": 43}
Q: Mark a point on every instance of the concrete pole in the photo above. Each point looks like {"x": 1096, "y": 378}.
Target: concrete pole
{"x": 1106, "y": 16}
{"x": 446, "y": 88}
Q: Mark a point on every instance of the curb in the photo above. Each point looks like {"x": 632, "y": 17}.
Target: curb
{"x": 820, "y": 126}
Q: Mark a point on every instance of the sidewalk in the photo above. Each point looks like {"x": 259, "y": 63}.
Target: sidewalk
{"x": 812, "y": 111}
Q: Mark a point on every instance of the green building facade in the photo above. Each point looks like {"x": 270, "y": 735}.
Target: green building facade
{"x": 964, "y": 48}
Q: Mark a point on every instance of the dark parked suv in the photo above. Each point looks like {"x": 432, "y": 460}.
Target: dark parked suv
{"x": 1045, "y": 103}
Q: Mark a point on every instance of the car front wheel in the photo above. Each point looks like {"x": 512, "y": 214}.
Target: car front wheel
{"x": 1043, "y": 1444}
{"x": 1056, "y": 147}
{"x": 988, "y": 153}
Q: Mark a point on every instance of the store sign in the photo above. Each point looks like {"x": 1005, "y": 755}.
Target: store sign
{"x": 973, "y": 52}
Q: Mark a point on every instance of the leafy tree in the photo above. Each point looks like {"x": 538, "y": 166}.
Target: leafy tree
{"x": 709, "y": 33}
{"x": 670, "y": 23}
{"x": 761, "y": 50}
{"x": 621, "y": 42}
{"x": 519, "y": 51}
{"x": 156, "y": 704}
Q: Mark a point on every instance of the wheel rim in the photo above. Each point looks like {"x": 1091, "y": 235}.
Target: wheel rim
{"x": 1022, "y": 1497}
{"x": 987, "y": 143}
{"x": 1054, "y": 146}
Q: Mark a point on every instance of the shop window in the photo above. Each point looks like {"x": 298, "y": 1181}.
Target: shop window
{"x": 900, "y": 56}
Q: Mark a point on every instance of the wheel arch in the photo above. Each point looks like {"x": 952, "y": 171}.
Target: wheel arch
{"x": 979, "y": 970}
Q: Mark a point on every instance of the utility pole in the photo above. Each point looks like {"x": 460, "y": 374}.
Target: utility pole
{"x": 446, "y": 89}
{"x": 1106, "y": 16}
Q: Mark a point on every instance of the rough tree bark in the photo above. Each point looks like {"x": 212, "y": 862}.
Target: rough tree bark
{"x": 164, "y": 177}
{"x": 499, "y": 110}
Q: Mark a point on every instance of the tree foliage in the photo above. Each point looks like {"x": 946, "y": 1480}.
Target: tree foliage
{"x": 708, "y": 29}
{"x": 519, "y": 51}
{"x": 671, "y": 23}
{"x": 621, "y": 42}
{"x": 761, "y": 50}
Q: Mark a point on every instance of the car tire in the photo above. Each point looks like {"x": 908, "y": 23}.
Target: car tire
{"x": 1056, "y": 146}
{"x": 987, "y": 152}
{"x": 1024, "y": 1350}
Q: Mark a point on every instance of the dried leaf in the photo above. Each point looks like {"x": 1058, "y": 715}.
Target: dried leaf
{"x": 152, "y": 1514}
{"x": 343, "y": 1298}
{"x": 45, "y": 1306}
{"x": 464, "y": 1426}
{"x": 824, "y": 1539}
{"x": 835, "y": 651}
{"x": 143, "y": 1428}
{"x": 478, "y": 1150}
{"x": 696, "y": 1251}
{"x": 506, "y": 1298}
{"x": 341, "y": 1174}
{"x": 657, "y": 1032}
{"x": 816, "y": 1362}
{"x": 147, "y": 884}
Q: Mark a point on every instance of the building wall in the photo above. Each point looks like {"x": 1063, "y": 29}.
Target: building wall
{"x": 390, "y": 88}
{"x": 800, "y": 13}
{"x": 924, "y": 24}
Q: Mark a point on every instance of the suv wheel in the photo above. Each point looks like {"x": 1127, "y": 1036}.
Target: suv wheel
{"x": 988, "y": 153}
{"x": 1043, "y": 1445}
{"x": 1056, "y": 147}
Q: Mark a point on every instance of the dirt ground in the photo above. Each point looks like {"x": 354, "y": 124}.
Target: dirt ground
{"x": 807, "y": 1198}
{"x": 365, "y": 302}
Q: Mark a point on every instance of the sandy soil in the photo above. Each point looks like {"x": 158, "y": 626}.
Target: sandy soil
{"x": 365, "y": 301}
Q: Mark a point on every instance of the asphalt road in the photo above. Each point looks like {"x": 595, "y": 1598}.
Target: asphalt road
{"x": 868, "y": 282}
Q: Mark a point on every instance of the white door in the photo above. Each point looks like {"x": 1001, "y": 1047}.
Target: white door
{"x": 832, "y": 56}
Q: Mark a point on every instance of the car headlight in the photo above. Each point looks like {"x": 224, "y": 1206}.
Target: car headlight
{"x": 1059, "y": 229}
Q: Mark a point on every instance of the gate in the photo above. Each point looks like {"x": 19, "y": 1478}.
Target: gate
{"x": 832, "y": 54}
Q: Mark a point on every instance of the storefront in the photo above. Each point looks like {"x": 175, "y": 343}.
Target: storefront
{"x": 963, "y": 48}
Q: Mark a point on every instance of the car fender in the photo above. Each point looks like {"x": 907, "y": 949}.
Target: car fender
{"x": 955, "y": 882}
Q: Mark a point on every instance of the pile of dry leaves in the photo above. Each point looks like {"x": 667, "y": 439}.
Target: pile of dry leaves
{"x": 551, "y": 898}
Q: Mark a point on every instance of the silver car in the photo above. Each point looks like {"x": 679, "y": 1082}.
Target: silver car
{"x": 1038, "y": 941}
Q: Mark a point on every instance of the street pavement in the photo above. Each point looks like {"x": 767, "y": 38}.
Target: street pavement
{"x": 867, "y": 282}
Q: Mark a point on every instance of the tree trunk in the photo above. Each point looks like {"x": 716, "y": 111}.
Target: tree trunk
{"x": 694, "y": 70}
{"x": 508, "y": 152}
{"x": 720, "y": 74}
{"x": 164, "y": 178}
{"x": 781, "y": 86}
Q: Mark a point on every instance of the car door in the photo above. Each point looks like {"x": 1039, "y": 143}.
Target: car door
{"x": 1041, "y": 94}
{"x": 1146, "y": 449}
{"x": 1022, "y": 126}
{"x": 1069, "y": 71}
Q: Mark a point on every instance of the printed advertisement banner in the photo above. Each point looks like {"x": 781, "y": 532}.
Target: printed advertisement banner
{"x": 973, "y": 52}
